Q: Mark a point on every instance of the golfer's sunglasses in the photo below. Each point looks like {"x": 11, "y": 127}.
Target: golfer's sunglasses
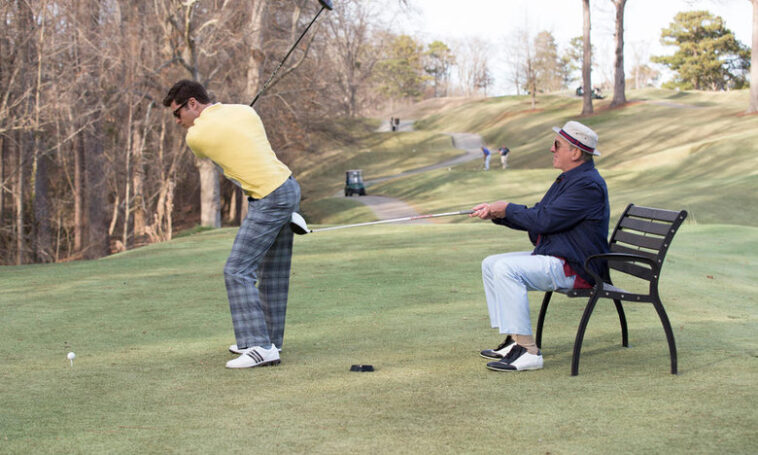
{"x": 557, "y": 144}
{"x": 176, "y": 111}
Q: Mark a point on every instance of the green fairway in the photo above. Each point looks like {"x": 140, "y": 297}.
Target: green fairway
{"x": 151, "y": 327}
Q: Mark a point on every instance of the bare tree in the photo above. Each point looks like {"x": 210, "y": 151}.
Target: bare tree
{"x": 517, "y": 44}
{"x": 472, "y": 60}
{"x": 350, "y": 33}
{"x": 619, "y": 83}
{"x": 754, "y": 63}
{"x": 529, "y": 69}
{"x": 254, "y": 41}
{"x": 191, "y": 34}
{"x": 86, "y": 160}
{"x": 587, "y": 61}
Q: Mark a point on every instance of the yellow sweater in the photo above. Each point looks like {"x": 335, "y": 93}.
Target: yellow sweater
{"x": 233, "y": 137}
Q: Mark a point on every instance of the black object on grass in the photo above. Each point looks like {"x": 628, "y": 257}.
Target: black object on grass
{"x": 361, "y": 368}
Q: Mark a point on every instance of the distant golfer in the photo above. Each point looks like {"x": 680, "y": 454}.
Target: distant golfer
{"x": 504, "y": 151}
{"x": 567, "y": 225}
{"x": 233, "y": 137}
{"x": 487, "y": 156}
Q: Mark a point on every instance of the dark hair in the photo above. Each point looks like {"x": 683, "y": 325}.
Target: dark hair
{"x": 184, "y": 90}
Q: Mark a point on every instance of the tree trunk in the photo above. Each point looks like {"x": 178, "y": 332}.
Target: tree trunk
{"x": 3, "y": 154}
{"x": 619, "y": 84}
{"x": 210, "y": 191}
{"x": 169, "y": 209}
{"x": 160, "y": 227}
{"x": 257, "y": 57}
{"x": 244, "y": 204}
{"x": 233, "y": 206}
{"x": 43, "y": 236}
{"x": 533, "y": 84}
{"x": 587, "y": 61}
{"x": 42, "y": 231}
{"x": 140, "y": 207}
{"x": 128, "y": 172}
{"x": 78, "y": 193}
{"x": 97, "y": 217}
{"x": 140, "y": 212}
{"x": 19, "y": 196}
{"x": 754, "y": 63}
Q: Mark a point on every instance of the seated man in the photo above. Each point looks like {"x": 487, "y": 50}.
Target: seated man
{"x": 569, "y": 224}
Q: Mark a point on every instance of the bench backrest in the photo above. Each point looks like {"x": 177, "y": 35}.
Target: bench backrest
{"x": 647, "y": 232}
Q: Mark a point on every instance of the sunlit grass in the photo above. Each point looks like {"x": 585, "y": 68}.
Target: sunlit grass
{"x": 150, "y": 328}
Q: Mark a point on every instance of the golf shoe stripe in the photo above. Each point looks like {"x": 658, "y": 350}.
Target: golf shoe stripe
{"x": 255, "y": 356}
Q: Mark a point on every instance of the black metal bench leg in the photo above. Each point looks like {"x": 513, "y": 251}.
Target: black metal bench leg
{"x": 580, "y": 332}
{"x": 669, "y": 333}
{"x": 541, "y": 319}
{"x": 622, "y": 320}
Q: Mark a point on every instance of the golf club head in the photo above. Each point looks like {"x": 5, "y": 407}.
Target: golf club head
{"x": 298, "y": 225}
{"x": 326, "y": 4}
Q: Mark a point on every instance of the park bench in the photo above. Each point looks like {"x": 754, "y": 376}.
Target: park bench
{"x": 638, "y": 247}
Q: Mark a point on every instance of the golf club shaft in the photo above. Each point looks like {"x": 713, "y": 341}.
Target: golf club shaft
{"x": 395, "y": 220}
{"x": 271, "y": 78}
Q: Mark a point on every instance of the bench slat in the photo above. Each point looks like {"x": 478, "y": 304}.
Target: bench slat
{"x": 616, "y": 248}
{"x": 655, "y": 214}
{"x": 652, "y": 243}
{"x": 631, "y": 269}
{"x": 645, "y": 226}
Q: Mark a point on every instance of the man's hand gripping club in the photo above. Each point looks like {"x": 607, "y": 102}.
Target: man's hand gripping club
{"x": 491, "y": 211}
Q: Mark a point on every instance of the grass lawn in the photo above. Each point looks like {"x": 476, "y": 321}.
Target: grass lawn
{"x": 150, "y": 328}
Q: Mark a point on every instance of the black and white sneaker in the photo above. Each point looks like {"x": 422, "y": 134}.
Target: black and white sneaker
{"x": 255, "y": 357}
{"x": 518, "y": 359}
{"x": 501, "y": 351}
{"x": 235, "y": 350}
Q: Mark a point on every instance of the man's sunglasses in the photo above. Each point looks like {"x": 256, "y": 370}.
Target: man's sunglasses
{"x": 176, "y": 111}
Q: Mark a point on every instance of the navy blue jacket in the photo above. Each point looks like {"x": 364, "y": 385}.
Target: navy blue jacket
{"x": 571, "y": 220}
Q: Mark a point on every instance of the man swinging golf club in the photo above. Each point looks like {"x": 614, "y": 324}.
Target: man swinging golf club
{"x": 569, "y": 224}
{"x": 233, "y": 137}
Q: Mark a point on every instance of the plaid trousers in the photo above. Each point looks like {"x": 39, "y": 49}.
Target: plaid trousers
{"x": 262, "y": 256}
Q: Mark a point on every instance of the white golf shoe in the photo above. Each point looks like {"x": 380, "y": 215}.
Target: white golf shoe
{"x": 518, "y": 359}
{"x": 235, "y": 350}
{"x": 255, "y": 357}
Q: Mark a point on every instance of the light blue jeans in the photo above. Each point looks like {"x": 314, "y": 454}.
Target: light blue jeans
{"x": 507, "y": 279}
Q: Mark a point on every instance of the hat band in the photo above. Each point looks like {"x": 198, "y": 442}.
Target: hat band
{"x": 576, "y": 142}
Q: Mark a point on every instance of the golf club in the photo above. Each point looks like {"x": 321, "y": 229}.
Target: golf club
{"x": 300, "y": 227}
{"x": 325, "y": 4}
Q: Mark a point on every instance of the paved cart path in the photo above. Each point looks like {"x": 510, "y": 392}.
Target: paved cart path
{"x": 386, "y": 207}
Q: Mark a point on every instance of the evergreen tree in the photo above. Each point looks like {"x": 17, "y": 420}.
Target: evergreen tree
{"x": 439, "y": 59}
{"x": 709, "y": 57}
{"x": 401, "y": 72}
{"x": 550, "y": 70}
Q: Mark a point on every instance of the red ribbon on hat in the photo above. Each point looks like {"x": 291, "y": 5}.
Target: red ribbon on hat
{"x": 576, "y": 142}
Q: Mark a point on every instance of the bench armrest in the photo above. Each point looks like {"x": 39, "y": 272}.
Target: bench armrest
{"x": 619, "y": 257}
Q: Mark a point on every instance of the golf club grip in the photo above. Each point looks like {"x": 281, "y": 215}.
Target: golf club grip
{"x": 394, "y": 220}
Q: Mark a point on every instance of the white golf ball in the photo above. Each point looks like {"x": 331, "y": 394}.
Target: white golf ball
{"x": 71, "y": 356}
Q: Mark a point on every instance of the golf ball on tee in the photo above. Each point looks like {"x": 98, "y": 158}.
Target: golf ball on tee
{"x": 71, "y": 356}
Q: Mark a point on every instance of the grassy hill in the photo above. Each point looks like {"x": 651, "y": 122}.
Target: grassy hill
{"x": 150, "y": 326}
{"x": 666, "y": 148}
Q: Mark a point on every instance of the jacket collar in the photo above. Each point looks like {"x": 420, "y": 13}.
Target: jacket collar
{"x": 584, "y": 167}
